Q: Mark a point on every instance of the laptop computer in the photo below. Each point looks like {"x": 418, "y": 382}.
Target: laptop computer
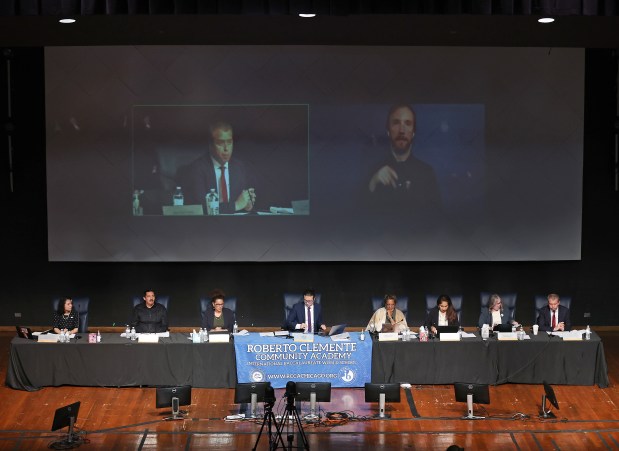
{"x": 24, "y": 332}
{"x": 337, "y": 329}
{"x": 446, "y": 329}
{"x": 300, "y": 207}
{"x": 502, "y": 328}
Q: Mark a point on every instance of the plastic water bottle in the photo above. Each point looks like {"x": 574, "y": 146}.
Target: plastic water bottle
{"x": 212, "y": 203}
{"x": 362, "y": 335}
{"x": 98, "y": 337}
{"x": 235, "y": 328}
{"x": 205, "y": 335}
{"x": 588, "y": 333}
{"x": 133, "y": 334}
{"x": 485, "y": 332}
{"x": 178, "y": 198}
{"x": 128, "y": 332}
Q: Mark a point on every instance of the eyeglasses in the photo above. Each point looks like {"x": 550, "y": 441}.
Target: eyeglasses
{"x": 218, "y": 305}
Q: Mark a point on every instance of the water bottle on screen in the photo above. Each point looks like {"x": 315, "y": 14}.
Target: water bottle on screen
{"x": 362, "y": 335}
{"x": 128, "y": 332}
{"x": 178, "y": 198}
{"x": 133, "y": 334}
{"x": 212, "y": 203}
{"x": 588, "y": 333}
{"x": 98, "y": 337}
{"x": 235, "y": 328}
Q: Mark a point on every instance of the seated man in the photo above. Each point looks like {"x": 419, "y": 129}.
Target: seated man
{"x": 554, "y": 317}
{"x": 306, "y": 316}
{"x": 150, "y": 317}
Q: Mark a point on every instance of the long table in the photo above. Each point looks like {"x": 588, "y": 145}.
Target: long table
{"x": 532, "y": 361}
{"x": 118, "y": 362}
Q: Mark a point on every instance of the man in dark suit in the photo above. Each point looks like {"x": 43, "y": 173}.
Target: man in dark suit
{"x": 554, "y": 317}
{"x": 217, "y": 170}
{"x": 306, "y": 316}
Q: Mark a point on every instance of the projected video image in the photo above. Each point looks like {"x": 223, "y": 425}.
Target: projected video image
{"x": 213, "y": 159}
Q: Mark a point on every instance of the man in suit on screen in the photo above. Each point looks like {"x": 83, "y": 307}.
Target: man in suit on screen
{"x": 218, "y": 170}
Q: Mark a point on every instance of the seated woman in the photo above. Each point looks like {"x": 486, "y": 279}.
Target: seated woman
{"x": 65, "y": 318}
{"x": 494, "y": 315}
{"x": 387, "y": 314}
{"x": 443, "y": 314}
{"x": 220, "y": 318}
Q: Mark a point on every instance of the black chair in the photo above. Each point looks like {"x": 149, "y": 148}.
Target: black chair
{"x": 163, "y": 300}
{"x": 291, "y": 299}
{"x": 541, "y": 300}
{"x": 508, "y": 300}
{"x": 456, "y": 301}
{"x": 80, "y": 304}
{"x": 205, "y": 304}
{"x": 401, "y": 304}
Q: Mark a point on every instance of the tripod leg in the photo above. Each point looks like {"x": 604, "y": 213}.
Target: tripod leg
{"x": 260, "y": 433}
{"x": 301, "y": 431}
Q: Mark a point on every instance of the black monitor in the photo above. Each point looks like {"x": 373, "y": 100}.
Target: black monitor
{"x": 66, "y": 417}
{"x": 549, "y": 394}
{"x": 174, "y": 397}
{"x": 313, "y": 392}
{"x": 382, "y": 393}
{"x": 250, "y": 392}
{"x": 471, "y": 393}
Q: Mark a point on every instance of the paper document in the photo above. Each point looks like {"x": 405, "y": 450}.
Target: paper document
{"x": 267, "y": 334}
{"x": 242, "y": 333}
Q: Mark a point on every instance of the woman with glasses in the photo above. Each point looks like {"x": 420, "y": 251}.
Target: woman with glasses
{"x": 494, "y": 315}
{"x": 219, "y": 318}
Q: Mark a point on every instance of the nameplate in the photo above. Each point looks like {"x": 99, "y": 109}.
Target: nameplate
{"x": 148, "y": 338}
{"x": 388, "y": 336}
{"x": 219, "y": 338}
{"x": 304, "y": 338}
{"x": 183, "y": 210}
{"x": 48, "y": 338}
{"x": 572, "y": 337}
{"x": 507, "y": 336}
{"x": 449, "y": 336}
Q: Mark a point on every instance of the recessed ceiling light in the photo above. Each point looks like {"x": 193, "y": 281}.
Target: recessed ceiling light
{"x": 66, "y": 20}
{"x": 546, "y": 20}
{"x": 307, "y": 15}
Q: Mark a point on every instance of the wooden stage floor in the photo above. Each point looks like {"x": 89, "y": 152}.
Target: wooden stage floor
{"x": 126, "y": 418}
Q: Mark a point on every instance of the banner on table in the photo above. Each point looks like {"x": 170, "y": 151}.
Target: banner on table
{"x": 278, "y": 360}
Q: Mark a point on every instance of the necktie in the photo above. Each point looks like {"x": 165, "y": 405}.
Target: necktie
{"x": 309, "y": 320}
{"x": 223, "y": 186}
{"x": 554, "y": 319}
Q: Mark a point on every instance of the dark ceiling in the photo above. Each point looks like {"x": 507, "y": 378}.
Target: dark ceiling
{"x": 579, "y": 23}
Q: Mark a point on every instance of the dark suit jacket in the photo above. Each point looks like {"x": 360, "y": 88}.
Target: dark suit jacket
{"x": 209, "y": 319}
{"x": 432, "y": 319}
{"x": 486, "y": 318}
{"x": 543, "y": 319}
{"x": 197, "y": 178}
{"x": 297, "y": 316}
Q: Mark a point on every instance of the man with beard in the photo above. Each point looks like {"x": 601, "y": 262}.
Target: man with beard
{"x": 403, "y": 182}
